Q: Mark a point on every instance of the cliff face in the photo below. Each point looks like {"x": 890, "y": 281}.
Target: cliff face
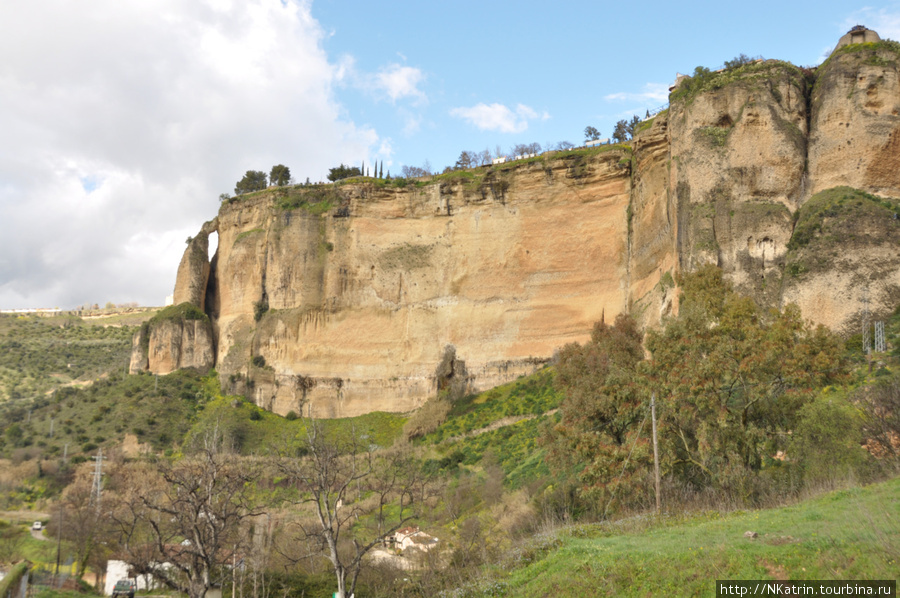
{"x": 178, "y": 337}
{"x": 358, "y": 308}
{"x": 340, "y": 300}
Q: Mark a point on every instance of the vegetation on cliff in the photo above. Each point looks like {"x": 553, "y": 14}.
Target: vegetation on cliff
{"x": 181, "y": 312}
{"x": 838, "y": 219}
{"x": 704, "y": 80}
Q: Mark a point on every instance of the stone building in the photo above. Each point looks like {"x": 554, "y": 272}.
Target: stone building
{"x": 858, "y": 35}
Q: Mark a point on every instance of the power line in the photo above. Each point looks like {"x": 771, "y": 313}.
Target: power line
{"x": 98, "y": 474}
{"x": 879, "y": 337}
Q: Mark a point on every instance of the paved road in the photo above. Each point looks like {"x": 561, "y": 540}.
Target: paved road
{"x": 38, "y": 535}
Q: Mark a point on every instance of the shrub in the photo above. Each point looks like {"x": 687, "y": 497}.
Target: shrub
{"x": 828, "y": 440}
{"x": 260, "y": 308}
{"x": 429, "y": 416}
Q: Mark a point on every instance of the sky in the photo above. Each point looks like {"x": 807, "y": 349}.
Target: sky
{"x": 121, "y": 123}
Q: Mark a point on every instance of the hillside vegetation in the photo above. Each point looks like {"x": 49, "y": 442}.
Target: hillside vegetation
{"x": 38, "y": 354}
{"x": 846, "y": 534}
{"x": 756, "y": 409}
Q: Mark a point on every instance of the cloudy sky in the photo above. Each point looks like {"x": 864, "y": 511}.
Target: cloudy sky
{"x": 122, "y": 122}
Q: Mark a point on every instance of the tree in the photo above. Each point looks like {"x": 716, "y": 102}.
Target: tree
{"x": 591, "y": 134}
{"x": 412, "y": 172}
{"x": 521, "y": 149}
{"x": 280, "y": 175}
{"x": 632, "y": 125}
{"x": 342, "y": 172}
{"x": 620, "y": 133}
{"x": 12, "y": 539}
{"x": 565, "y": 145}
{"x": 181, "y": 521}
{"x": 738, "y": 61}
{"x": 466, "y": 159}
{"x": 600, "y": 415}
{"x": 731, "y": 382}
{"x": 732, "y": 379}
{"x": 353, "y": 498}
{"x": 84, "y": 523}
{"x": 254, "y": 180}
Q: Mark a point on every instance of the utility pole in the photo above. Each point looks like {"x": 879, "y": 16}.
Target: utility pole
{"x": 59, "y": 538}
{"x": 655, "y": 449}
{"x": 866, "y": 326}
{"x": 879, "y": 337}
{"x": 98, "y": 474}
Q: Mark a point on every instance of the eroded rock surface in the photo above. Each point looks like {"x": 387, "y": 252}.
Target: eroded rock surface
{"x": 339, "y": 300}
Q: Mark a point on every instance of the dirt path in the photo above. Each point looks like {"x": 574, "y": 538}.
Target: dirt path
{"x": 39, "y": 535}
{"x": 500, "y": 423}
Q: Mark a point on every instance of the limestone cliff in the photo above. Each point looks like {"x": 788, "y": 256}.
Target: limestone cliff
{"x": 178, "y": 337}
{"x": 337, "y": 300}
{"x": 353, "y": 310}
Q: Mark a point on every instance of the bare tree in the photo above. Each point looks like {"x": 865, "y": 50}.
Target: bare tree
{"x": 181, "y": 522}
{"x": 84, "y": 524}
{"x": 12, "y": 538}
{"x": 521, "y": 149}
{"x": 353, "y": 497}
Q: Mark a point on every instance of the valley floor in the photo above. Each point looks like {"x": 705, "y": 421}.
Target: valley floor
{"x": 851, "y": 534}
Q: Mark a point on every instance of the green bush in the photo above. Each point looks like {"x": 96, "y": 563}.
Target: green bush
{"x": 827, "y": 443}
{"x": 10, "y": 583}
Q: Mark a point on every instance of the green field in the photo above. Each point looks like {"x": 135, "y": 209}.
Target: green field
{"x": 846, "y": 534}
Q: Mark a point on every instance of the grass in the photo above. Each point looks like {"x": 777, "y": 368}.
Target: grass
{"x": 848, "y": 534}
{"x": 256, "y": 430}
{"x": 182, "y": 311}
{"x": 838, "y": 219}
{"x": 515, "y": 445}
{"x": 39, "y": 355}
{"x": 158, "y": 410}
{"x": 531, "y": 395}
{"x": 705, "y": 80}
{"x": 843, "y": 202}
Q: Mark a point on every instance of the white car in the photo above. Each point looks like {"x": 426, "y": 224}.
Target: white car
{"x": 37, "y": 526}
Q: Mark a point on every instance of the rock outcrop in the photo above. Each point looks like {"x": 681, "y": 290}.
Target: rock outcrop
{"x": 193, "y": 271}
{"x": 178, "y": 337}
{"x": 337, "y": 300}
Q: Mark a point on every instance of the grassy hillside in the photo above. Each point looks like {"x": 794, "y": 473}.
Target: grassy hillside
{"x": 506, "y": 422}
{"x": 848, "y": 534}
{"x": 39, "y": 354}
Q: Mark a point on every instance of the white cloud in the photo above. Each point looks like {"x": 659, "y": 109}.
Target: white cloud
{"x": 123, "y": 121}
{"x": 393, "y": 81}
{"x": 400, "y": 82}
{"x": 498, "y": 117}
{"x": 653, "y": 93}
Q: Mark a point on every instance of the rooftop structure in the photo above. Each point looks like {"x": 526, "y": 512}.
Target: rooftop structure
{"x": 858, "y": 35}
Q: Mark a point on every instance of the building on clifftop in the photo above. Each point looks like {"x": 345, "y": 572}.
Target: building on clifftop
{"x": 858, "y": 35}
